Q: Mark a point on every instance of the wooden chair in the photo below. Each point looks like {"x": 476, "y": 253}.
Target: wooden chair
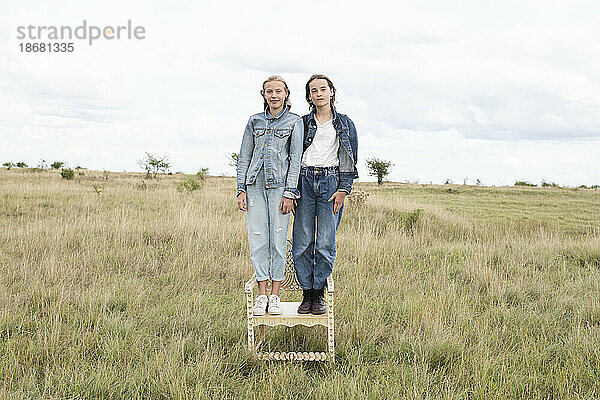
{"x": 290, "y": 317}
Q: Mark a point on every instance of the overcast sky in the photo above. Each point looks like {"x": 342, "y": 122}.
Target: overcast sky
{"x": 495, "y": 91}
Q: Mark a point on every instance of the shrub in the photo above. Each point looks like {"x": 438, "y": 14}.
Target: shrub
{"x": 202, "y": 174}
{"x": 21, "y": 164}
{"x": 189, "y": 185}
{"x": 548, "y": 184}
{"x": 357, "y": 199}
{"x": 524, "y": 183}
{"x": 67, "y": 173}
{"x": 411, "y": 219}
{"x": 8, "y": 165}
{"x": 57, "y": 165}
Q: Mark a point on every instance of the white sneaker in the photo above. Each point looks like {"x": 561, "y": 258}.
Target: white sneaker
{"x": 260, "y": 306}
{"x": 274, "y": 308}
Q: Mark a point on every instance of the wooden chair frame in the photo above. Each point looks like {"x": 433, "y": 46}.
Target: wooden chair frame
{"x": 290, "y": 317}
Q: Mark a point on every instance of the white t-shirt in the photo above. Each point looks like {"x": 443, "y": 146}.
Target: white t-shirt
{"x": 323, "y": 151}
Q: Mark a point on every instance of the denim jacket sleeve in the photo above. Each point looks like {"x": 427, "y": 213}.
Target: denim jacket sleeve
{"x": 296, "y": 147}
{"x": 346, "y": 177}
{"x": 246, "y": 150}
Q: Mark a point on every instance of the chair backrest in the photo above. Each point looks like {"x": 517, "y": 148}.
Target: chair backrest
{"x": 291, "y": 281}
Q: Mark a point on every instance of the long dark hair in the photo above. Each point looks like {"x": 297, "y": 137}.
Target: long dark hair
{"x": 319, "y": 76}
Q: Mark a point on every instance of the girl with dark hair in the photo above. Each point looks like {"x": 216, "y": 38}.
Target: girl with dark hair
{"x": 327, "y": 171}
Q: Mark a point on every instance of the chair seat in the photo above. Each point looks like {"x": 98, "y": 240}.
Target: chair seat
{"x": 290, "y": 317}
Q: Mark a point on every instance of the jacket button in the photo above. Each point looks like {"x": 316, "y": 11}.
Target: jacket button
{"x": 256, "y": 168}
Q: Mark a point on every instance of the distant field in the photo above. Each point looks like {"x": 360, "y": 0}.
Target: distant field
{"x": 137, "y": 292}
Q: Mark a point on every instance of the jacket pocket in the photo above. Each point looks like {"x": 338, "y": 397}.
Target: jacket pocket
{"x": 281, "y": 138}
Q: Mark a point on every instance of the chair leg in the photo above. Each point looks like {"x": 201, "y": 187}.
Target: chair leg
{"x": 261, "y": 334}
{"x": 330, "y": 326}
{"x": 250, "y": 314}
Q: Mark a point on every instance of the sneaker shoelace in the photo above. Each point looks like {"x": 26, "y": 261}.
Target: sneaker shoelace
{"x": 274, "y": 301}
{"x": 260, "y": 302}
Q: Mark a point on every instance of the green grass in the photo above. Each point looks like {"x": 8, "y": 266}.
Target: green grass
{"x": 138, "y": 293}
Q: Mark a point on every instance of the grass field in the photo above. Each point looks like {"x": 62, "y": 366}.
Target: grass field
{"x": 138, "y": 293}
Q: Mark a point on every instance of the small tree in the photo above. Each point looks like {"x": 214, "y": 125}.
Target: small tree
{"x": 57, "y": 165}
{"x": 8, "y": 165}
{"x": 379, "y": 168}
{"x": 21, "y": 164}
{"x": 233, "y": 159}
{"x": 202, "y": 174}
{"x": 153, "y": 164}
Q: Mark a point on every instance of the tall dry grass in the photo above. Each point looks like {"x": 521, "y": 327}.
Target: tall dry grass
{"x": 137, "y": 293}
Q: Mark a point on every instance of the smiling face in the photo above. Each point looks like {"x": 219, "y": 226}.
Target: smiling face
{"x": 275, "y": 94}
{"x": 320, "y": 92}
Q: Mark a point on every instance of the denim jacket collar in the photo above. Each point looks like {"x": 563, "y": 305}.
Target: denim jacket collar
{"x": 334, "y": 116}
{"x": 282, "y": 112}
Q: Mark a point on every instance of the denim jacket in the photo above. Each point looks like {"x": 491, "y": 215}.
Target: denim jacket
{"x": 275, "y": 144}
{"x": 348, "y": 150}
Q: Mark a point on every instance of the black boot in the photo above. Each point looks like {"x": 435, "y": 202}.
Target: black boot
{"x": 304, "y": 307}
{"x": 318, "y": 302}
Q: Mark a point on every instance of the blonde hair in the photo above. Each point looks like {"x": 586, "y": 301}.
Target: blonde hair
{"x": 278, "y": 78}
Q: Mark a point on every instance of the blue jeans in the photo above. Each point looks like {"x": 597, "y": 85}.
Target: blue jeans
{"x": 267, "y": 230}
{"x": 315, "y": 226}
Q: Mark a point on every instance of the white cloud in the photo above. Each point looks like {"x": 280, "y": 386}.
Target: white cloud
{"x": 443, "y": 90}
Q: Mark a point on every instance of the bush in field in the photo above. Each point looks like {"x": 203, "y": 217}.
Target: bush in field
{"x": 57, "y": 165}
{"x": 411, "y": 219}
{"x": 548, "y": 184}
{"x": 525, "y": 183}
{"x": 202, "y": 174}
{"x": 189, "y": 185}
{"x": 357, "y": 199}
{"x": 67, "y": 173}
{"x": 21, "y": 164}
{"x": 8, "y": 165}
